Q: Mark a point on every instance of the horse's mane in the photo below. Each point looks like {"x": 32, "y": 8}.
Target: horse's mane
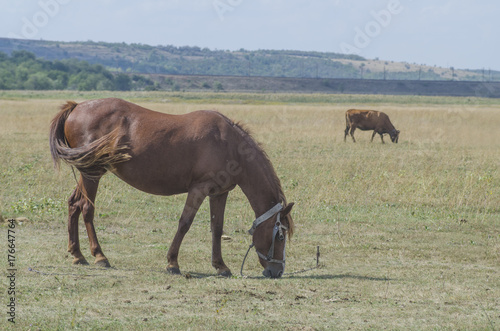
{"x": 272, "y": 176}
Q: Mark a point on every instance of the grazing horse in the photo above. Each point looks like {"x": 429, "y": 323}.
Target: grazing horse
{"x": 202, "y": 153}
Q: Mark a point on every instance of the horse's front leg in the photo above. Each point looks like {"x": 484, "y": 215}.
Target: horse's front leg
{"x": 193, "y": 202}
{"x": 217, "y": 207}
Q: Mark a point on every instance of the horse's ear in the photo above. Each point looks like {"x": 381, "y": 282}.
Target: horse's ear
{"x": 287, "y": 209}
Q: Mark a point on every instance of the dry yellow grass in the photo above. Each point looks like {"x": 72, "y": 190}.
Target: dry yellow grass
{"x": 409, "y": 232}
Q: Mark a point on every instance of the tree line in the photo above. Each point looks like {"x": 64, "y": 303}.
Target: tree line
{"x": 22, "y": 70}
{"x": 192, "y": 60}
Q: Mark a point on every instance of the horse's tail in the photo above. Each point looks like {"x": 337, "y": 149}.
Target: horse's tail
{"x": 57, "y": 138}
{"x": 92, "y": 160}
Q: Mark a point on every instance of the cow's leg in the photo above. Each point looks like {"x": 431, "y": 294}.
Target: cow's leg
{"x": 373, "y": 135}
{"x": 217, "y": 207}
{"x": 382, "y": 137}
{"x": 353, "y": 128}
{"x": 346, "y": 132}
{"x": 193, "y": 202}
{"x": 88, "y": 207}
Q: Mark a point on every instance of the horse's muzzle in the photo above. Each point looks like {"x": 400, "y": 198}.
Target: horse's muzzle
{"x": 273, "y": 271}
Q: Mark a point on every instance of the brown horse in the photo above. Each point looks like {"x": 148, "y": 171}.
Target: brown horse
{"x": 202, "y": 153}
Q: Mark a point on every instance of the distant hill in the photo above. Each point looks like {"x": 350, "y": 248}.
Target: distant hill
{"x": 186, "y": 60}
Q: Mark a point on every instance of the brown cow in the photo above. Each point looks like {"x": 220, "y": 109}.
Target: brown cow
{"x": 374, "y": 120}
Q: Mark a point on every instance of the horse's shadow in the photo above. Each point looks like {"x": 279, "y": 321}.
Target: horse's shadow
{"x": 341, "y": 276}
{"x": 101, "y": 272}
{"x": 292, "y": 276}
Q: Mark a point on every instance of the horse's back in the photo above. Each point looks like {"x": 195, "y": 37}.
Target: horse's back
{"x": 99, "y": 117}
{"x": 167, "y": 152}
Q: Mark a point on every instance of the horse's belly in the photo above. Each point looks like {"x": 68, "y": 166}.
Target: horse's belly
{"x": 154, "y": 182}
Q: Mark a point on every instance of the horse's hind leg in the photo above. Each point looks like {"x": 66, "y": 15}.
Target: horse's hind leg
{"x": 74, "y": 211}
{"x": 82, "y": 202}
{"x": 217, "y": 207}
{"x": 193, "y": 202}
{"x": 88, "y": 207}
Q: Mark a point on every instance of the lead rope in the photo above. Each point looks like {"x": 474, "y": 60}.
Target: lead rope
{"x": 243, "y": 263}
{"x": 309, "y": 269}
{"x": 287, "y": 273}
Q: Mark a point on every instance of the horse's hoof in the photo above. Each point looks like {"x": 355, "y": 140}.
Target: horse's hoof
{"x": 226, "y": 274}
{"x": 102, "y": 263}
{"x": 173, "y": 271}
{"x": 80, "y": 260}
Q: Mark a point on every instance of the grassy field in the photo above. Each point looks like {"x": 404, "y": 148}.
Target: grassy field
{"x": 409, "y": 233}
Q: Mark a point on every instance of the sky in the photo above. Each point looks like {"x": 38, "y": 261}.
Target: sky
{"x": 463, "y": 34}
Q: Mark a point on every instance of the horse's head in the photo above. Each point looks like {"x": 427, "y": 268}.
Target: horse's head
{"x": 269, "y": 238}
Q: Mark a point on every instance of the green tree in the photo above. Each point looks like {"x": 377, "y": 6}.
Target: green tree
{"x": 218, "y": 86}
{"x": 122, "y": 82}
{"x": 38, "y": 81}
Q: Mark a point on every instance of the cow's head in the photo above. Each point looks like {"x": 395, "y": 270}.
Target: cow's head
{"x": 394, "y": 136}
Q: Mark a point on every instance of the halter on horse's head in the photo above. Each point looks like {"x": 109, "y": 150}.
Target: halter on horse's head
{"x": 274, "y": 260}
